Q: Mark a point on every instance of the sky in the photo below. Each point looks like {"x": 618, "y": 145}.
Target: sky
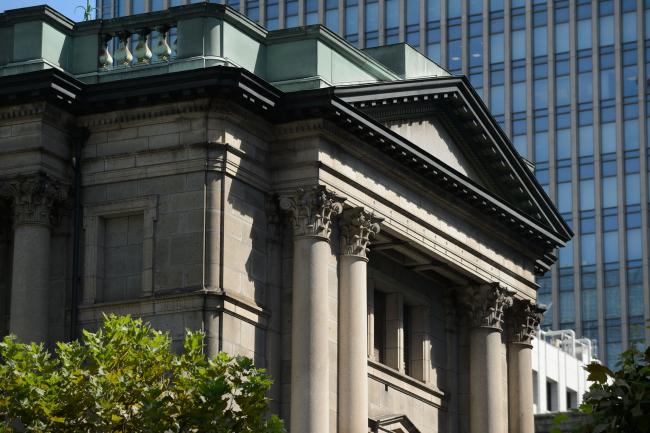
{"x": 66, "y": 7}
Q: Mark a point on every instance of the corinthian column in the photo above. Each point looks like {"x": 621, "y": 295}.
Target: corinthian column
{"x": 34, "y": 198}
{"x": 311, "y": 212}
{"x": 485, "y": 305}
{"x": 523, "y": 318}
{"x": 357, "y": 227}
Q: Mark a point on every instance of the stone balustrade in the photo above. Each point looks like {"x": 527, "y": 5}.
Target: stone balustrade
{"x": 89, "y": 50}
{"x": 126, "y": 48}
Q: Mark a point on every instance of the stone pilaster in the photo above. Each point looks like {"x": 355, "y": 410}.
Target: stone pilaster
{"x": 523, "y": 318}
{"x": 452, "y": 337}
{"x": 310, "y": 212}
{"x": 357, "y": 227}
{"x": 485, "y": 306}
{"x": 34, "y": 198}
{"x": 274, "y": 232}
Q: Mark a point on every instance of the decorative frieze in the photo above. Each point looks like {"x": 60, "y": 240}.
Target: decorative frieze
{"x": 523, "y": 319}
{"x": 33, "y": 197}
{"x": 311, "y": 211}
{"x": 485, "y": 305}
{"x": 357, "y": 227}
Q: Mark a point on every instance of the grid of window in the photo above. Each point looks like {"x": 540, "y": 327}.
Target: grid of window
{"x": 272, "y": 14}
{"x": 413, "y": 23}
{"x": 372, "y": 23}
{"x": 291, "y": 13}
{"x": 352, "y": 21}
{"x": 311, "y": 12}
{"x": 331, "y": 15}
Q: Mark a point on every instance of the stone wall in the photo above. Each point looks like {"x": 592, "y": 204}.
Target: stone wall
{"x": 544, "y": 423}
{"x": 181, "y": 227}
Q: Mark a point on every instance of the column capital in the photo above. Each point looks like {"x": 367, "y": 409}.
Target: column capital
{"x": 485, "y": 304}
{"x": 33, "y": 197}
{"x": 523, "y": 319}
{"x": 311, "y": 211}
{"x": 357, "y": 227}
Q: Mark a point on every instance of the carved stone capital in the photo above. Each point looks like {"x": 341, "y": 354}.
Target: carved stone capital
{"x": 311, "y": 211}
{"x": 523, "y": 319}
{"x": 357, "y": 227}
{"x": 33, "y": 198}
{"x": 485, "y": 304}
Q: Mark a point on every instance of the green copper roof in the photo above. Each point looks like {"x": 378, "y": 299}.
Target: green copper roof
{"x": 199, "y": 35}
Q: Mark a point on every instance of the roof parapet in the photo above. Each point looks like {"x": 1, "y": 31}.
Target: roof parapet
{"x": 190, "y": 37}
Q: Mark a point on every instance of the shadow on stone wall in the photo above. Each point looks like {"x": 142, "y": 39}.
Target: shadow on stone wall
{"x": 544, "y": 423}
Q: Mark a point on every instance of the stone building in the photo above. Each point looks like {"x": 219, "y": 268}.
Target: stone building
{"x": 355, "y": 221}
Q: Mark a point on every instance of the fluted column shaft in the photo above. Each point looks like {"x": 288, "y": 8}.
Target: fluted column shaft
{"x": 485, "y": 305}
{"x": 357, "y": 226}
{"x": 524, "y": 317}
{"x": 311, "y": 213}
{"x": 33, "y": 199}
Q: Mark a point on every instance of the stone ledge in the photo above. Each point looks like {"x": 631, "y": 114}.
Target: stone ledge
{"x": 405, "y": 384}
{"x": 177, "y": 303}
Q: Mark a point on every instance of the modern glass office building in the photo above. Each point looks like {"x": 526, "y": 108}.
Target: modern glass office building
{"x": 567, "y": 81}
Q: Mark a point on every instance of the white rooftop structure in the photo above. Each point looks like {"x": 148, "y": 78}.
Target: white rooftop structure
{"x": 559, "y": 377}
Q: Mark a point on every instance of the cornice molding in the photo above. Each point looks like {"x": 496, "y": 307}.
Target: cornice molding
{"x": 240, "y": 87}
{"x": 139, "y": 114}
{"x": 22, "y": 110}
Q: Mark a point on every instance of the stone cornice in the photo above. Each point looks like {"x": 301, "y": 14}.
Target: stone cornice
{"x": 485, "y": 305}
{"x": 311, "y": 211}
{"x": 357, "y": 227}
{"x": 134, "y": 115}
{"x": 254, "y": 95}
{"x": 523, "y": 319}
{"x": 34, "y": 197}
{"x": 23, "y": 110}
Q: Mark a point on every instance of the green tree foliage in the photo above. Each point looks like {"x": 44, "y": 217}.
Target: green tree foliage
{"x": 619, "y": 401}
{"x": 125, "y": 378}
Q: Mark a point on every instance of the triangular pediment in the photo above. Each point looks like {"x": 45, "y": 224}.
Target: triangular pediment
{"x": 429, "y": 134}
{"x": 445, "y": 119}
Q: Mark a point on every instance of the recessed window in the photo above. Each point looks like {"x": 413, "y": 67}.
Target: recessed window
{"x": 122, "y": 258}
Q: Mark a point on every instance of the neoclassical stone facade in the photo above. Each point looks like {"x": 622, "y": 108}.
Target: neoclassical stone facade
{"x": 371, "y": 239}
